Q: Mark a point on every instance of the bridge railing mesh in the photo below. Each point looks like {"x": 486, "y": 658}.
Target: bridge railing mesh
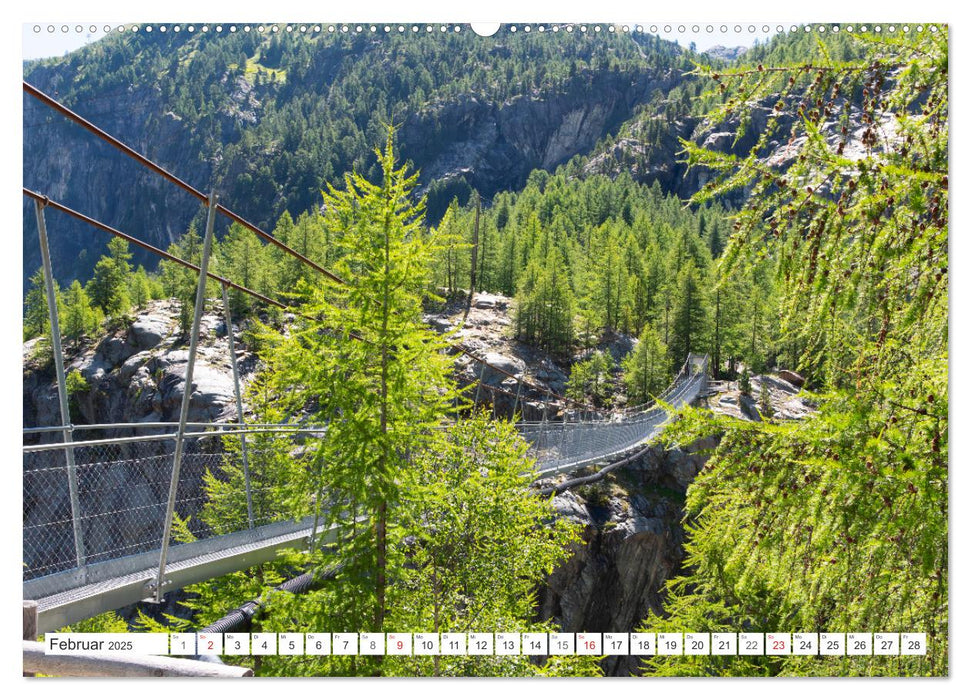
{"x": 561, "y": 445}
{"x": 123, "y": 492}
{"x": 123, "y": 482}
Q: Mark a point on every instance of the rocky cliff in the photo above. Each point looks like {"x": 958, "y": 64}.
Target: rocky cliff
{"x": 632, "y": 544}
{"x": 494, "y": 146}
{"x": 136, "y": 374}
{"x": 268, "y": 146}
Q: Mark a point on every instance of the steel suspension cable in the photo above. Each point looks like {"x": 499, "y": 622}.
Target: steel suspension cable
{"x": 159, "y": 170}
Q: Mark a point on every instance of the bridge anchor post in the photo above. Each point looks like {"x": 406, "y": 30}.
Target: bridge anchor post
{"x": 186, "y": 396}
{"x": 68, "y": 433}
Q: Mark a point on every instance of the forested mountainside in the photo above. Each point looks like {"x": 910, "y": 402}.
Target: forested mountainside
{"x": 267, "y": 119}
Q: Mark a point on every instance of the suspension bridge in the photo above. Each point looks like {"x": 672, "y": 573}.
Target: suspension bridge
{"x": 102, "y": 504}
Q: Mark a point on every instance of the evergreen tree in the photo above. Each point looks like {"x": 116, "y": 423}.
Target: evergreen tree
{"x": 180, "y": 282}
{"x": 79, "y": 318}
{"x": 838, "y": 521}
{"x": 142, "y": 288}
{"x": 37, "y": 320}
{"x": 243, "y": 259}
{"x": 688, "y": 316}
{"x": 279, "y": 475}
{"x": 645, "y": 369}
{"x": 544, "y": 305}
{"x": 610, "y": 281}
{"x": 590, "y": 379}
{"x": 389, "y": 388}
{"x": 108, "y": 287}
{"x": 449, "y": 239}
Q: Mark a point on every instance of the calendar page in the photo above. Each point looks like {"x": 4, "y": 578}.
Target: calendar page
{"x": 607, "y": 348}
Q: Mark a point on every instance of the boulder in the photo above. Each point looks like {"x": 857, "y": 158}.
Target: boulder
{"x": 512, "y": 365}
{"x": 749, "y": 407}
{"x": 114, "y": 350}
{"x": 485, "y": 301}
{"x": 132, "y": 365}
{"x": 793, "y": 378}
{"x": 774, "y": 384}
{"x": 213, "y": 396}
{"x": 147, "y": 332}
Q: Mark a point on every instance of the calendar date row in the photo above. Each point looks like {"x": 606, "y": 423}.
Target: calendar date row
{"x": 551, "y": 644}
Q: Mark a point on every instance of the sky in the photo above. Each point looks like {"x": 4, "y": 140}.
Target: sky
{"x": 45, "y": 40}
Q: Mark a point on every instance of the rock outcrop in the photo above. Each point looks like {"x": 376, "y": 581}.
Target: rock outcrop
{"x": 487, "y": 332}
{"x": 137, "y": 374}
{"x": 785, "y": 400}
{"x": 632, "y": 544}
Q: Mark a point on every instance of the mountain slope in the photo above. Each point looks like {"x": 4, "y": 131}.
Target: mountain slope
{"x": 266, "y": 120}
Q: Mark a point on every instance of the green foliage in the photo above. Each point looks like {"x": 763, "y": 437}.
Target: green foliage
{"x": 765, "y": 400}
{"x": 745, "y": 383}
{"x": 544, "y": 305}
{"x": 591, "y": 379}
{"x": 76, "y": 383}
{"x": 105, "y": 623}
{"x": 451, "y": 267}
{"x": 838, "y": 522}
{"x": 689, "y": 323}
{"x": 243, "y": 258}
{"x": 388, "y": 386}
{"x": 143, "y": 287}
{"x": 645, "y": 369}
{"x": 108, "y": 287}
{"x": 279, "y": 473}
{"x": 829, "y": 524}
{"x": 180, "y": 282}
{"x": 857, "y": 225}
{"x": 437, "y": 527}
{"x": 588, "y": 254}
{"x": 37, "y": 320}
{"x": 473, "y": 545}
{"x": 79, "y": 318}
{"x": 172, "y": 623}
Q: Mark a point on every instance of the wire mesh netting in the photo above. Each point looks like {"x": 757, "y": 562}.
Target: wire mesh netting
{"x": 571, "y": 444}
{"x": 123, "y": 492}
{"x": 122, "y": 485}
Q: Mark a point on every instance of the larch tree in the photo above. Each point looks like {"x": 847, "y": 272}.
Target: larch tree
{"x": 838, "y": 521}
{"x": 372, "y": 371}
{"x": 108, "y": 288}
{"x": 646, "y": 368}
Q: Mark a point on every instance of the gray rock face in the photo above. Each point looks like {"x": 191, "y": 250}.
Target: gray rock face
{"x": 749, "y": 407}
{"x": 114, "y": 350}
{"x": 495, "y": 146}
{"x": 487, "y": 331}
{"x": 147, "y": 332}
{"x": 632, "y": 544}
{"x": 512, "y": 365}
{"x": 138, "y": 375}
